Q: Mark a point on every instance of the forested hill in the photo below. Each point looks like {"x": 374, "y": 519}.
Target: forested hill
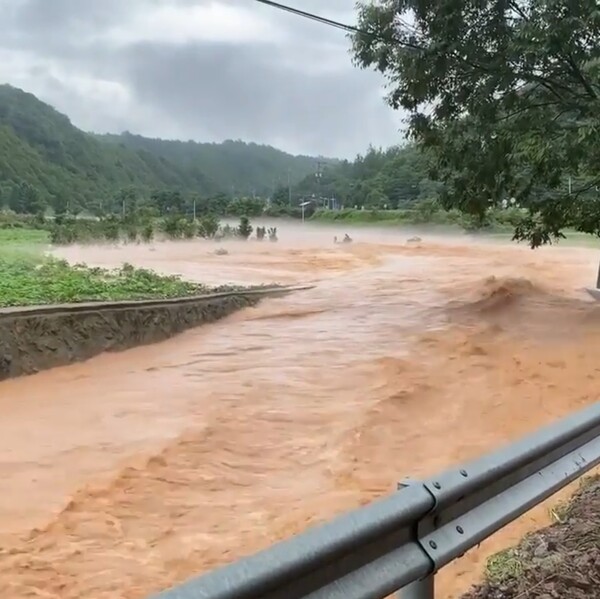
{"x": 394, "y": 178}
{"x": 234, "y": 167}
{"x": 45, "y": 159}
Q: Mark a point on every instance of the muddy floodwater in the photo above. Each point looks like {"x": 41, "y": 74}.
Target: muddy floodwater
{"x": 133, "y": 471}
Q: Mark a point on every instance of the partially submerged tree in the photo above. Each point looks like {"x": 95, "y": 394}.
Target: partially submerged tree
{"x": 208, "y": 226}
{"x": 244, "y": 229}
{"x": 505, "y": 94}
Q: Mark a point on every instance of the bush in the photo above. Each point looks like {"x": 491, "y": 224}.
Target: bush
{"x": 188, "y": 228}
{"x": 132, "y": 234}
{"x": 289, "y": 211}
{"x": 173, "y": 227}
{"x": 244, "y": 229}
{"x": 208, "y": 226}
{"x": 62, "y": 235}
{"x": 111, "y": 231}
{"x": 147, "y": 232}
{"x": 226, "y": 232}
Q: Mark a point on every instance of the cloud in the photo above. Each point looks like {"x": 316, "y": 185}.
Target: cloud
{"x": 198, "y": 69}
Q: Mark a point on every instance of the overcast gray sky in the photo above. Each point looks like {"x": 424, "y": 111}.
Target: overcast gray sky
{"x": 206, "y": 70}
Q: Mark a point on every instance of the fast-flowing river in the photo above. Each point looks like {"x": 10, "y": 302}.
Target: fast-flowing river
{"x": 128, "y": 473}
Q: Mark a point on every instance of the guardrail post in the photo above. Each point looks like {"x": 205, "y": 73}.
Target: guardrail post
{"x": 420, "y": 589}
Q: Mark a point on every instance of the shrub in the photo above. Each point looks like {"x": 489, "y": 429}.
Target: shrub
{"x": 208, "y": 226}
{"x": 244, "y": 229}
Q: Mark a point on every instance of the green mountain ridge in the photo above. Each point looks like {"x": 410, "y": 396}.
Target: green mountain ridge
{"x": 47, "y": 160}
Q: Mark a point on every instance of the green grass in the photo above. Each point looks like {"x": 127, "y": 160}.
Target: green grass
{"x": 580, "y": 239}
{"x": 572, "y": 239}
{"x": 365, "y": 217}
{"x": 423, "y": 218}
{"x": 503, "y": 566}
{"x": 29, "y": 279}
{"x": 22, "y": 245}
{"x": 23, "y": 236}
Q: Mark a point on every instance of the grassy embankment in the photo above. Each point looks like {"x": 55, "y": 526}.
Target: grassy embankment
{"x": 423, "y": 216}
{"x": 29, "y": 277}
{"x": 499, "y": 224}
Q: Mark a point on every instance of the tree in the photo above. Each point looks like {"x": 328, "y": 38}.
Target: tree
{"x": 174, "y": 226}
{"x": 132, "y": 233}
{"x": 393, "y": 174}
{"x": 504, "y": 94}
{"x": 244, "y": 229}
{"x": 125, "y": 202}
{"x": 168, "y": 202}
{"x": 111, "y": 229}
{"x": 188, "y": 228}
{"x": 246, "y": 206}
{"x": 281, "y": 196}
{"x": 148, "y": 232}
{"x": 25, "y": 199}
{"x": 218, "y": 204}
{"x": 208, "y": 226}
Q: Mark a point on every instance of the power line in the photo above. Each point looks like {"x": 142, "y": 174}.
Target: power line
{"x": 376, "y": 36}
{"x": 317, "y": 18}
{"x": 338, "y": 24}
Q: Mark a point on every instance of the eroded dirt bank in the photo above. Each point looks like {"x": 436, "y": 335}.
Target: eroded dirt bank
{"x": 561, "y": 561}
{"x": 128, "y": 473}
{"x": 38, "y": 339}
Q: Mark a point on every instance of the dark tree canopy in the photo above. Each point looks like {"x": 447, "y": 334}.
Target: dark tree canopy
{"x": 392, "y": 178}
{"x": 505, "y": 94}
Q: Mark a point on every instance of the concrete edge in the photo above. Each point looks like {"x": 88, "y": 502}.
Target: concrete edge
{"x": 26, "y": 311}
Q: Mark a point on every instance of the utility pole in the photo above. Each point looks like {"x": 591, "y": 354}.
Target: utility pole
{"x": 289, "y": 189}
{"x": 318, "y": 176}
{"x": 194, "y": 208}
{"x": 123, "y": 208}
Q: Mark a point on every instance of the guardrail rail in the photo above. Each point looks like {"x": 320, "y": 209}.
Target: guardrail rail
{"x": 398, "y": 543}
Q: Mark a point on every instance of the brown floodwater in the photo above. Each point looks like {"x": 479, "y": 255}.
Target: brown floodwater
{"x": 133, "y": 471}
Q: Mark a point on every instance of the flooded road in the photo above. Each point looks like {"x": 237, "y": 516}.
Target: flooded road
{"x": 133, "y": 471}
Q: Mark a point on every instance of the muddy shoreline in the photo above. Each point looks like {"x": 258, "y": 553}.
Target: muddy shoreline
{"x": 42, "y": 337}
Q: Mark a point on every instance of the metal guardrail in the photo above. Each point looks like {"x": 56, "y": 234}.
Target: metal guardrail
{"x": 400, "y": 542}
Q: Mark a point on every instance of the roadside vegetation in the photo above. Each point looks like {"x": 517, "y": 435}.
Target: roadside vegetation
{"x": 561, "y": 560}
{"x": 426, "y": 213}
{"x": 30, "y": 279}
